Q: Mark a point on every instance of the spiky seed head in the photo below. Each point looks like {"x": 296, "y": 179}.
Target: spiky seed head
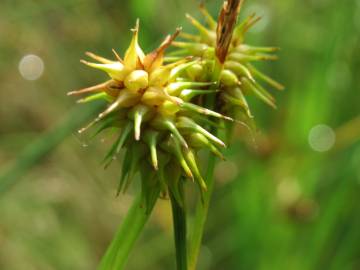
{"x": 225, "y": 45}
{"x": 151, "y": 99}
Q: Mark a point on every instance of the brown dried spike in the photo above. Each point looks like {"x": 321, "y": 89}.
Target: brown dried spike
{"x": 155, "y": 58}
{"x": 225, "y": 28}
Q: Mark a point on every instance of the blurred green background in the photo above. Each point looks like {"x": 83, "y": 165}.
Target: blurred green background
{"x": 292, "y": 201}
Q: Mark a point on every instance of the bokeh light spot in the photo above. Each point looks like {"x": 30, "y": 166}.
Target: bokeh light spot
{"x": 31, "y": 67}
{"x": 321, "y": 138}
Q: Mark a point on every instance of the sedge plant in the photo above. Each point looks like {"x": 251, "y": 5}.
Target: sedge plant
{"x": 165, "y": 106}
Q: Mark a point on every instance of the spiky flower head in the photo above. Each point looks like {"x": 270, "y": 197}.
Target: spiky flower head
{"x": 225, "y": 42}
{"x": 152, "y": 101}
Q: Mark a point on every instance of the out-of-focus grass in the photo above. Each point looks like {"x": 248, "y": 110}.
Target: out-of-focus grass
{"x": 281, "y": 205}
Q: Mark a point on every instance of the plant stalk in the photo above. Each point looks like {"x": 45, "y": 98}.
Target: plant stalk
{"x": 203, "y": 208}
{"x": 179, "y": 221}
{"x": 226, "y": 23}
{"x": 201, "y": 215}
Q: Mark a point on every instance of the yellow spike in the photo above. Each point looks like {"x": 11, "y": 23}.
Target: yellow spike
{"x": 115, "y": 69}
{"x": 125, "y": 99}
{"x": 203, "y": 30}
{"x": 88, "y": 126}
{"x": 251, "y": 23}
{"x": 243, "y": 27}
{"x": 118, "y": 56}
{"x": 99, "y": 58}
{"x": 179, "y": 62}
{"x": 95, "y": 88}
{"x": 134, "y": 53}
{"x": 155, "y": 59}
{"x": 97, "y": 96}
{"x": 170, "y": 59}
{"x": 209, "y": 19}
{"x": 190, "y": 37}
{"x": 266, "y": 78}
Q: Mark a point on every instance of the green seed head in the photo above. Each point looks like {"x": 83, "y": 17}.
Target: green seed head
{"x": 158, "y": 108}
{"x": 224, "y": 42}
{"x": 153, "y": 101}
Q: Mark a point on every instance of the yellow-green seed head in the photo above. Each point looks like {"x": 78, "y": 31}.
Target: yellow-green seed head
{"x": 238, "y": 58}
{"x": 150, "y": 100}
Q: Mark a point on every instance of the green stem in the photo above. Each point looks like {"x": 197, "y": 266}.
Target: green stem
{"x": 179, "y": 219}
{"x": 116, "y": 255}
{"x": 203, "y": 209}
{"x": 227, "y": 22}
{"x": 201, "y": 215}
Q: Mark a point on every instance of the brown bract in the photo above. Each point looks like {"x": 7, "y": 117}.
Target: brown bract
{"x": 225, "y": 28}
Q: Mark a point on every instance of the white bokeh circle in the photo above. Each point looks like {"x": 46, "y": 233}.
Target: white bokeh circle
{"x": 31, "y": 67}
{"x": 321, "y": 138}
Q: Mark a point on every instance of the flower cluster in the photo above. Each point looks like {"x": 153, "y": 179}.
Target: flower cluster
{"x": 152, "y": 101}
{"x": 239, "y": 77}
{"x": 158, "y": 108}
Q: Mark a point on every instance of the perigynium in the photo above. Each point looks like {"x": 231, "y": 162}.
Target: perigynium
{"x": 164, "y": 113}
